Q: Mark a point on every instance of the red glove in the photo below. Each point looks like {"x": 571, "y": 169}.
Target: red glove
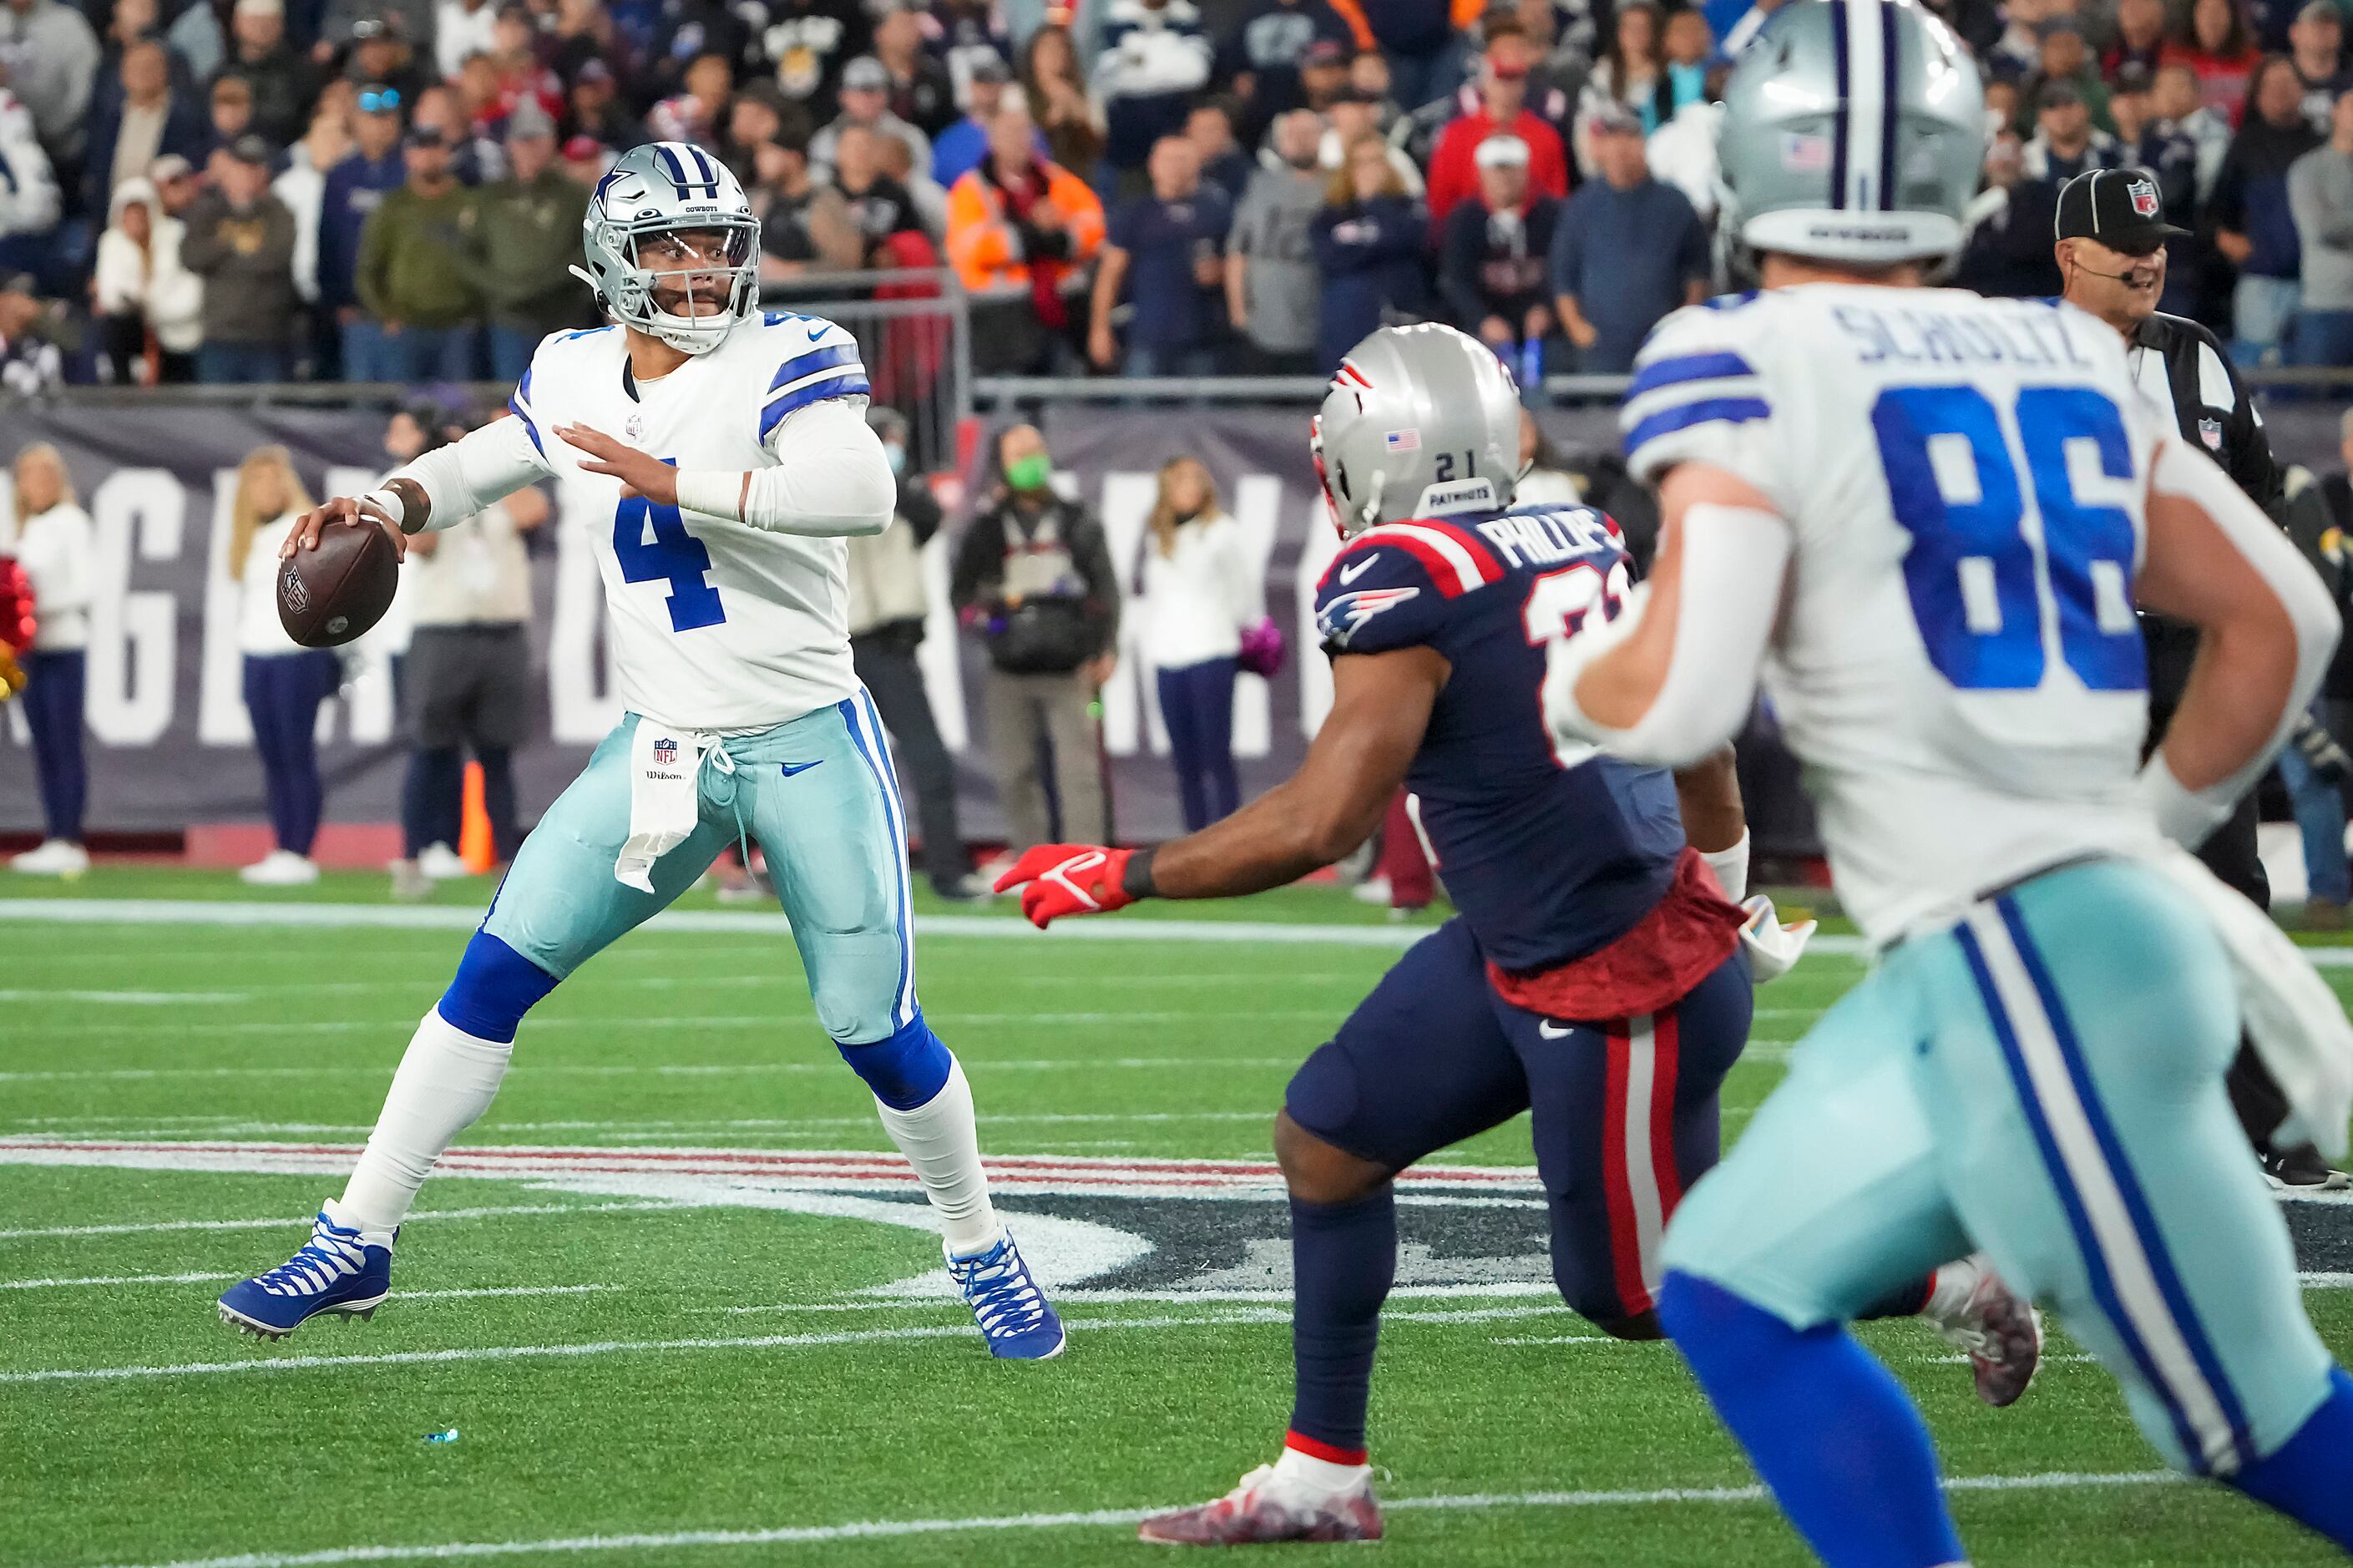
{"x": 1070, "y": 879}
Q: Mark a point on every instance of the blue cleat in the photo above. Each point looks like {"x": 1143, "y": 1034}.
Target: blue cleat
{"x": 1014, "y": 1317}
{"x": 336, "y": 1271}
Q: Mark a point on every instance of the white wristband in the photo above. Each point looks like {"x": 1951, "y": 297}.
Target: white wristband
{"x": 2186, "y": 816}
{"x": 1731, "y": 867}
{"x": 391, "y": 505}
{"x": 711, "y": 493}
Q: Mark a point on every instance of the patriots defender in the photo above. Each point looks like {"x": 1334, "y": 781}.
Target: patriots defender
{"x": 1929, "y": 518}
{"x": 733, "y": 456}
{"x": 1592, "y": 977}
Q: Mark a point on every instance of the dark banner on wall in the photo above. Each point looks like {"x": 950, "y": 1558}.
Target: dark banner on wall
{"x": 171, "y": 744}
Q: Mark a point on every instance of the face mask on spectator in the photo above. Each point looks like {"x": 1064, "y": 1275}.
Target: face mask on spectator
{"x": 1028, "y": 473}
{"x": 898, "y": 456}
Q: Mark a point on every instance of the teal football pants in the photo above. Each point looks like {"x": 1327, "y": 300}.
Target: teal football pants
{"x": 2043, "y": 1081}
{"x": 816, "y": 794}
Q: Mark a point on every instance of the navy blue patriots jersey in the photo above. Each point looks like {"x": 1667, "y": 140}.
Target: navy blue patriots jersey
{"x": 1549, "y": 854}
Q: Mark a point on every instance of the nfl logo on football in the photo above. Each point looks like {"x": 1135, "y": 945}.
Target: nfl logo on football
{"x": 665, "y": 751}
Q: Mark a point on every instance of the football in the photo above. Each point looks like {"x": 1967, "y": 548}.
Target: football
{"x": 329, "y": 596}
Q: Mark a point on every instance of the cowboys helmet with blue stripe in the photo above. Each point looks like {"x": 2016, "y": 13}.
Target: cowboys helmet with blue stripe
{"x": 669, "y": 187}
{"x": 1853, "y": 131}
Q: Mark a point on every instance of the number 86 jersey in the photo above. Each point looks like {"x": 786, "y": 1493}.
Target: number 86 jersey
{"x": 1956, "y": 661}
{"x": 714, "y": 624}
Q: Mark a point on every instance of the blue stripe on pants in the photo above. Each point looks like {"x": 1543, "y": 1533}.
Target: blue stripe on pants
{"x": 2052, "y": 1032}
{"x": 866, "y": 735}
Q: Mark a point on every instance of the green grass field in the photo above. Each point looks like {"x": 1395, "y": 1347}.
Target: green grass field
{"x": 729, "y": 1359}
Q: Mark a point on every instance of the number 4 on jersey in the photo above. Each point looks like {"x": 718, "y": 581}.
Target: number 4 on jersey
{"x": 651, "y": 544}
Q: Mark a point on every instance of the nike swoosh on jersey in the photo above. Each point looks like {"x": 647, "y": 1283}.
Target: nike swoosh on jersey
{"x": 816, "y": 331}
{"x": 1356, "y": 569}
{"x": 1552, "y": 1031}
{"x": 789, "y": 769}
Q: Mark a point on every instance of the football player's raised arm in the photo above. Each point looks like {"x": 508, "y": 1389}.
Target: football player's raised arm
{"x": 832, "y": 479}
{"x": 2266, "y": 629}
{"x": 1381, "y": 706}
{"x": 1670, "y": 678}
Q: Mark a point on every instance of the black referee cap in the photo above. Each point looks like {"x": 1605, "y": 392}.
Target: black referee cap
{"x": 2118, "y": 207}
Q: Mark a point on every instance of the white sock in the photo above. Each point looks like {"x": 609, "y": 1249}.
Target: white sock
{"x": 446, "y": 1082}
{"x": 1321, "y": 1474}
{"x": 941, "y": 1140}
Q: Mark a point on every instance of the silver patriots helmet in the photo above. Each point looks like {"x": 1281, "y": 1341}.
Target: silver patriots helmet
{"x": 1419, "y": 421}
{"x": 670, "y": 188}
{"x": 1853, "y": 131}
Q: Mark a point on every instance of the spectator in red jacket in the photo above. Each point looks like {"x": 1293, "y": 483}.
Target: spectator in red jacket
{"x": 1503, "y": 108}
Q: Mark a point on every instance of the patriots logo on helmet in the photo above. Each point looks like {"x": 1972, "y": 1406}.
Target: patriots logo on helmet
{"x": 2144, "y": 197}
{"x": 1345, "y": 614}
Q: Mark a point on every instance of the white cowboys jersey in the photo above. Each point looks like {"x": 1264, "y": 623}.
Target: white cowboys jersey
{"x": 715, "y": 625}
{"x": 1956, "y": 661}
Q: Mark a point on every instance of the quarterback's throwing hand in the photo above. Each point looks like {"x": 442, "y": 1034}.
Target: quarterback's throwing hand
{"x": 1069, "y": 879}
{"x": 640, "y": 473}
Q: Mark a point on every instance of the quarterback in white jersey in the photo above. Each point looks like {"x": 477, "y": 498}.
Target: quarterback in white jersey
{"x": 729, "y": 455}
{"x": 1925, "y": 519}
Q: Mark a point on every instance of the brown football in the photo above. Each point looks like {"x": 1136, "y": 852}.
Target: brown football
{"x": 329, "y": 596}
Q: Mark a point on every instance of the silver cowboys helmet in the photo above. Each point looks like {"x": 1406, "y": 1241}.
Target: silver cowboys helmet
{"x": 670, "y": 188}
{"x": 1853, "y": 131}
{"x": 1419, "y": 421}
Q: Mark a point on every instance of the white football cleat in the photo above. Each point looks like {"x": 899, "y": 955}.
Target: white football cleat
{"x": 280, "y": 868}
{"x": 1998, "y": 1330}
{"x": 442, "y": 863}
{"x": 1270, "y": 1506}
{"x": 56, "y": 858}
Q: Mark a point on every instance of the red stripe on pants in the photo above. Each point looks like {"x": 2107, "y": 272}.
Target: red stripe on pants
{"x": 1625, "y": 1239}
{"x": 1666, "y": 1033}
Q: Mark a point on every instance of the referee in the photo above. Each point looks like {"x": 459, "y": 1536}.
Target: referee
{"x": 2112, "y": 237}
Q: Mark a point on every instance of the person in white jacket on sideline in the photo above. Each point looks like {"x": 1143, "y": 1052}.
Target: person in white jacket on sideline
{"x": 284, "y": 682}
{"x": 53, "y": 545}
{"x": 145, "y": 295}
{"x": 1202, "y": 589}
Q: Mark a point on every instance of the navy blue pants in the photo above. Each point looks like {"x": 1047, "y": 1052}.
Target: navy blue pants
{"x": 1197, "y": 702}
{"x": 282, "y": 693}
{"x": 53, "y": 700}
{"x": 1624, "y": 1109}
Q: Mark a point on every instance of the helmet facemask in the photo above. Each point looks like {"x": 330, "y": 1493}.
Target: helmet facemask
{"x": 687, "y": 284}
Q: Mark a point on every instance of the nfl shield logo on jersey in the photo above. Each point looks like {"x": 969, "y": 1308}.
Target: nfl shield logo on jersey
{"x": 2144, "y": 197}
{"x": 665, "y": 751}
{"x": 2210, "y": 430}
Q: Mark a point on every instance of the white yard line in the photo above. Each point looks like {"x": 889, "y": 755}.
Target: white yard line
{"x": 1105, "y": 1519}
{"x": 665, "y": 1069}
{"x": 412, "y": 916}
{"x": 151, "y": 1226}
{"x": 128, "y": 998}
{"x": 757, "y": 1342}
{"x": 160, "y": 1127}
{"x": 216, "y": 1279}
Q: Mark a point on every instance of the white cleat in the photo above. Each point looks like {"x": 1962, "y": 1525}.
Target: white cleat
{"x": 56, "y": 858}
{"x": 280, "y": 868}
{"x": 1996, "y": 1329}
{"x": 440, "y": 863}
{"x": 1270, "y": 1506}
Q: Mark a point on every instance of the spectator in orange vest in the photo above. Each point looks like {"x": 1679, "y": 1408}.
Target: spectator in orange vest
{"x": 1021, "y": 233}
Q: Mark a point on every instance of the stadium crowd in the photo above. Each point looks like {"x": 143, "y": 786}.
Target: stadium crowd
{"x": 254, "y": 190}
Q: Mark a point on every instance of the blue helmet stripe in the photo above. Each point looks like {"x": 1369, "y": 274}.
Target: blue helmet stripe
{"x": 1888, "y": 115}
{"x": 1844, "y": 87}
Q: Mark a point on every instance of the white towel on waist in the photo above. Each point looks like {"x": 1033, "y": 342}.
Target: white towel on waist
{"x": 664, "y": 798}
{"x": 2293, "y": 1018}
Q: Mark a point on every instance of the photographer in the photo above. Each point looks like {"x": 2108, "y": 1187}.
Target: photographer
{"x": 1034, "y": 574}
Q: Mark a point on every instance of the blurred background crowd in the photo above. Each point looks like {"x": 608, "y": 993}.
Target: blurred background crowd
{"x": 264, "y": 190}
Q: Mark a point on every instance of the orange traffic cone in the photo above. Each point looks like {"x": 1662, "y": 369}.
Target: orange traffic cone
{"x": 475, "y": 847}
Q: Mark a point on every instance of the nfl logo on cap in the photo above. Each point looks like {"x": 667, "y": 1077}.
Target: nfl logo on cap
{"x": 2144, "y": 197}
{"x": 665, "y": 751}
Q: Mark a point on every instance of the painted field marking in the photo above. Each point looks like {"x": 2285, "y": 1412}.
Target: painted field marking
{"x": 223, "y": 1126}
{"x": 873, "y": 1530}
{"x": 412, "y": 916}
{"x": 663, "y": 1070}
{"x": 92, "y": 1280}
{"x": 150, "y": 1227}
{"x": 128, "y": 998}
